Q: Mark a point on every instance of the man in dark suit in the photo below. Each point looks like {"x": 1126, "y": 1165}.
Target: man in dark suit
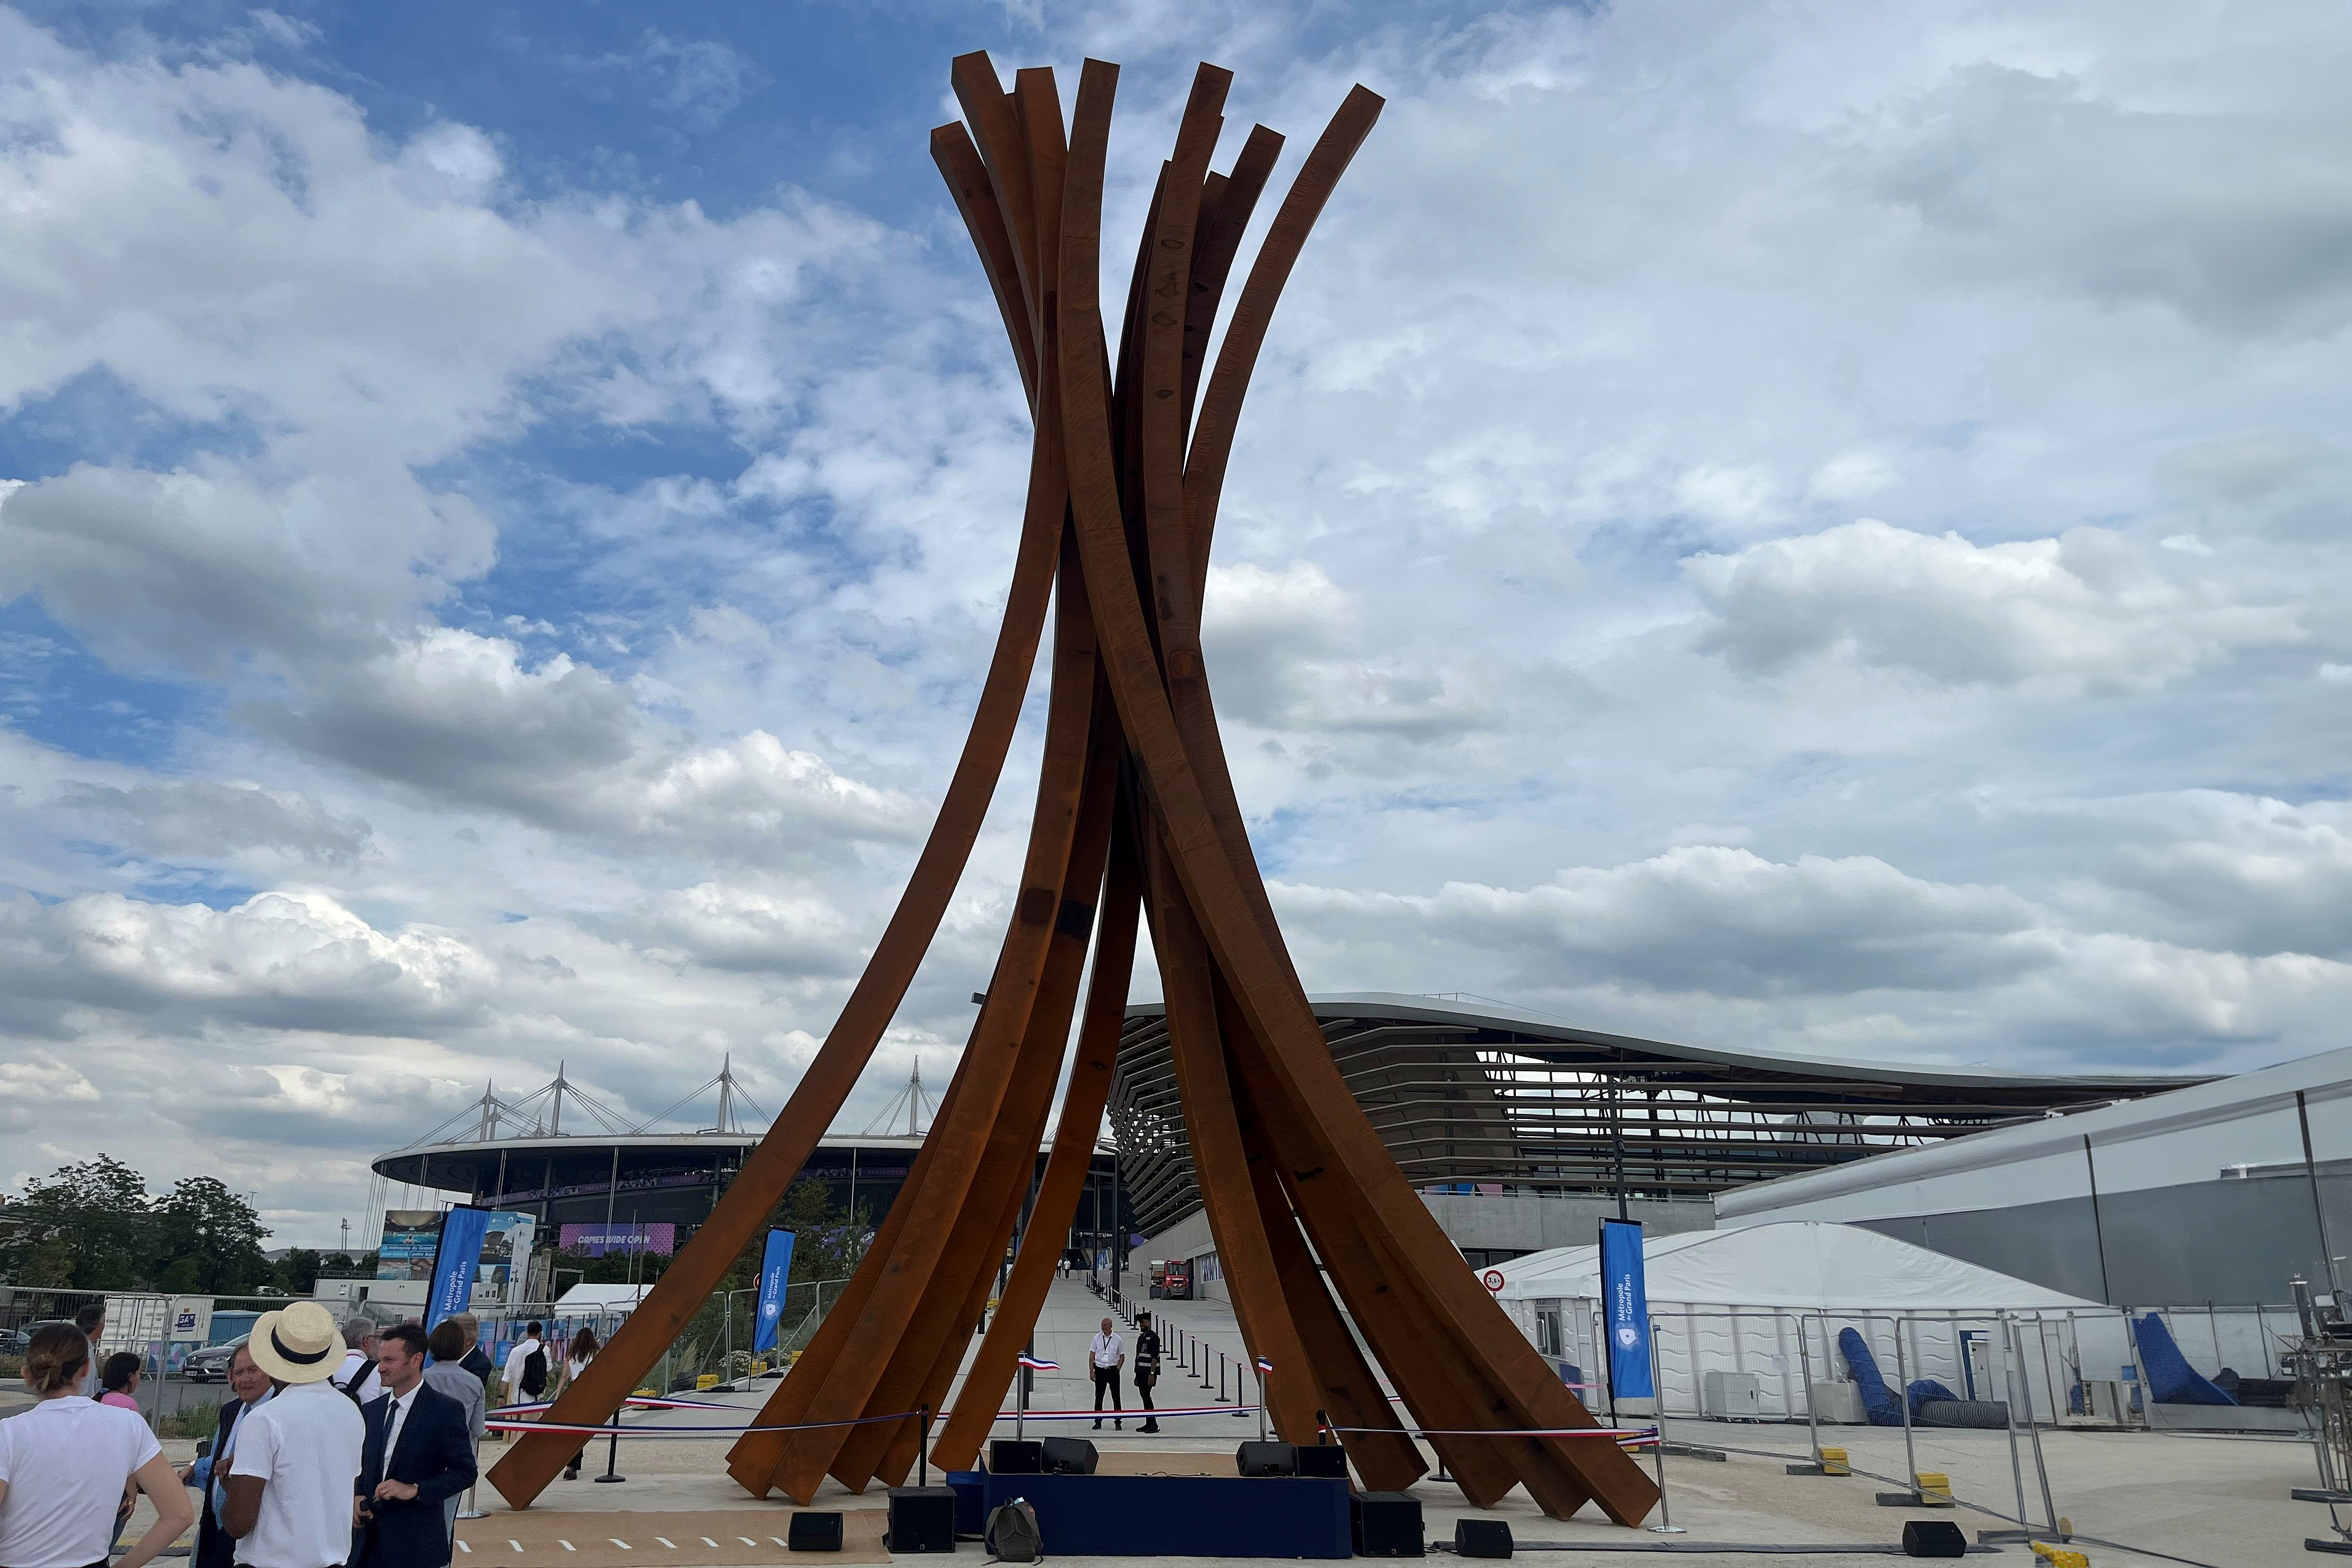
{"x": 216, "y": 1547}
{"x": 418, "y": 1453}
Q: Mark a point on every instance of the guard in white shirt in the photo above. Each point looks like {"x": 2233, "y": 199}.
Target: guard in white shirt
{"x": 1107, "y": 1353}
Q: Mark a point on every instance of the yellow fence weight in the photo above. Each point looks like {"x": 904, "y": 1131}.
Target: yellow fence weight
{"x": 1834, "y": 1462}
{"x": 1934, "y": 1488}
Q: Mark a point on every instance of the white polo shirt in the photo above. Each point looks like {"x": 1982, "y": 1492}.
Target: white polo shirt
{"x": 65, "y": 1461}
{"x": 1106, "y": 1350}
{"x": 305, "y": 1446}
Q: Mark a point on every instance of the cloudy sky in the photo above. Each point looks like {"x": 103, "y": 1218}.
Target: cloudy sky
{"x": 1807, "y": 526}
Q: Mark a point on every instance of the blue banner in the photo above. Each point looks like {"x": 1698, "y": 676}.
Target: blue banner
{"x": 456, "y": 1261}
{"x": 1626, "y": 1311}
{"x": 775, "y": 1272}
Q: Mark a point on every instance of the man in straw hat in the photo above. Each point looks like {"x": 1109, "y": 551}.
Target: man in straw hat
{"x": 290, "y": 1502}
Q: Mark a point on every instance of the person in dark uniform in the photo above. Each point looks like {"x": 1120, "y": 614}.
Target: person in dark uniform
{"x": 1147, "y": 1369}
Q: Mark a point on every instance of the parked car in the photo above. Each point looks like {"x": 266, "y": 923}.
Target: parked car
{"x": 210, "y": 1364}
{"x": 16, "y": 1341}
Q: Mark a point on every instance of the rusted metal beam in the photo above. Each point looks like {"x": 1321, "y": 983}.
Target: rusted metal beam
{"x": 1056, "y": 1207}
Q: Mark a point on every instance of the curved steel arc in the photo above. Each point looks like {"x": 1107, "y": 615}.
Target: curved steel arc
{"x": 1057, "y": 1208}
{"x": 743, "y": 1209}
{"x": 846, "y": 1382}
{"x": 1216, "y": 889}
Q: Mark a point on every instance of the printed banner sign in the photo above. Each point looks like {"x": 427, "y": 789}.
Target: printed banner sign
{"x": 459, "y": 1254}
{"x": 656, "y": 1237}
{"x": 411, "y": 1237}
{"x": 775, "y": 1273}
{"x": 191, "y": 1319}
{"x": 1626, "y": 1311}
{"x": 502, "y": 1271}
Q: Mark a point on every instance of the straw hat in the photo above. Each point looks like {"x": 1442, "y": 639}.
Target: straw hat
{"x": 297, "y": 1344}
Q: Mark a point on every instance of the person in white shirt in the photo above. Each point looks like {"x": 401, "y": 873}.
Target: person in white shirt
{"x": 63, "y": 1463}
{"x": 357, "y": 1375}
{"x": 90, "y": 1318}
{"x": 290, "y": 1502}
{"x": 1108, "y": 1352}
{"x": 520, "y": 1384}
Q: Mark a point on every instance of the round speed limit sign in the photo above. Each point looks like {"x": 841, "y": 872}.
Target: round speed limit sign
{"x": 1493, "y": 1279}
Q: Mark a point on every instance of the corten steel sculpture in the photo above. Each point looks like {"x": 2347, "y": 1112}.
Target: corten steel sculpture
{"x": 1136, "y": 818}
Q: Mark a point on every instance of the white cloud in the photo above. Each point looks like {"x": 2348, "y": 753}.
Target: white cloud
{"x": 2084, "y": 608}
{"x": 279, "y": 959}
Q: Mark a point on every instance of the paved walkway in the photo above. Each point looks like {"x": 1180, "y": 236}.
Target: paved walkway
{"x": 1066, "y": 1325}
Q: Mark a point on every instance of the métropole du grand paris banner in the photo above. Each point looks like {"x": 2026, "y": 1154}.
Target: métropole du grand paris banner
{"x": 1627, "y": 1311}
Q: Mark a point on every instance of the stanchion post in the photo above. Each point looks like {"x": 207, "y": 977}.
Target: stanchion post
{"x": 1805, "y": 1371}
{"x": 1261, "y": 1402}
{"x": 612, "y": 1454}
{"x": 467, "y": 1509}
{"x": 1220, "y": 1379}
{"x": 922, "y": 1447}
{"x": 1021, "y": 1402}
{"x": 1903, "y": 1396}
{"x": 1666, "y": 1525}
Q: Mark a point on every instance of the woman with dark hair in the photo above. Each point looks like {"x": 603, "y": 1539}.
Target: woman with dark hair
{"x": 118, "y": 1380}
{"x": 575, "y": 1361}
{"x": 448, "y": 1374}
{"x": 63, "y": 1463}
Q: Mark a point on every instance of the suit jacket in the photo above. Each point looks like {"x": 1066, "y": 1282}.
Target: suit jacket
{"x": 216, "y": 1547}
{"x": 435, "y": 1454}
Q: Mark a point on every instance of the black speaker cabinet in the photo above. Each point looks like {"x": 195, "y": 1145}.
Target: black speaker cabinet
{"x": 814, "y": 1530}
{"x": 1266, "y": 1460}
{"x": 1325, "y": 1460}
{"x": 1933, "y": 1538}
{"x": 1482, "y": 1538}
{"x": 1387, "y": 1523}
{"x": 922, "y": 1518}
{"x": 1068, "y": 1455}
{"x": 1016, "y": 1457}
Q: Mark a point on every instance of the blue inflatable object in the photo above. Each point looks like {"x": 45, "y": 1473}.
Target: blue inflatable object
{"x": 1923, "y": 1389}
{"x": 2171, "y": 1379}
{"x": 1877, "y": 1400}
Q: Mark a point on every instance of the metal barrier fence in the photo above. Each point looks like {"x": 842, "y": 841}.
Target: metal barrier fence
{"x": 716, "y": 1341}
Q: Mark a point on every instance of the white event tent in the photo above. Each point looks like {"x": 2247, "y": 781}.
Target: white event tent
{"x": 1737, "y": 1302}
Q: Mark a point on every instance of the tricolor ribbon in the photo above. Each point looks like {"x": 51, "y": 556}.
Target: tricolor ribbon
{"x": 1039, "y": 1364}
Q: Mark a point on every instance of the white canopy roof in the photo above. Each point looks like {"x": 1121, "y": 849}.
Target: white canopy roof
{"x": 1790, "y": 1263}
{"x": 586, "y": 1297}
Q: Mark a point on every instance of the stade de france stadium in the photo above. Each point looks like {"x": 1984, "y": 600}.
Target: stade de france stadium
{"x": 590, "y": 1176}
{"x": 1520, "y": 1129}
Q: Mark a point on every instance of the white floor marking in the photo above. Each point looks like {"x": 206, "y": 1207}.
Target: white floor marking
{"x": 707, "y": 1542}
{"x": 779, "y": 1541}
{"x": 665, "y": 1541}
{"x": 466, "y": 1549}
{"x": 746, "y": 1541}
{"x": 621, "y": 1544}
{"x": 516, "y": 1544}
{"x": 565, "y": 1544}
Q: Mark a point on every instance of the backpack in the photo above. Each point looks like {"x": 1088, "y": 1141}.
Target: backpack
{"x": 535, "y": 1375}
{"x": 1013, "y": 1534}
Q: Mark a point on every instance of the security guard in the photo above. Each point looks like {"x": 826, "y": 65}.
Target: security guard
{"x": 1147, "y": 1367}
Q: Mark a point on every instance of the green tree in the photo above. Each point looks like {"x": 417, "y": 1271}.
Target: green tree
{"x": 208, "y": 1239}
{"x": 296, "y": 1273}
{"x": 86, "y": 1228}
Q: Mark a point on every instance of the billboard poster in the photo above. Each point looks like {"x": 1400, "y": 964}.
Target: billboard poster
{"x": 190, "y": 1320}
{"x": 411, "y": 1237}
{"x": 1625, "y": 1292}
{"x": 658, "y": 1237}
{"x": 504, "y": 1266}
